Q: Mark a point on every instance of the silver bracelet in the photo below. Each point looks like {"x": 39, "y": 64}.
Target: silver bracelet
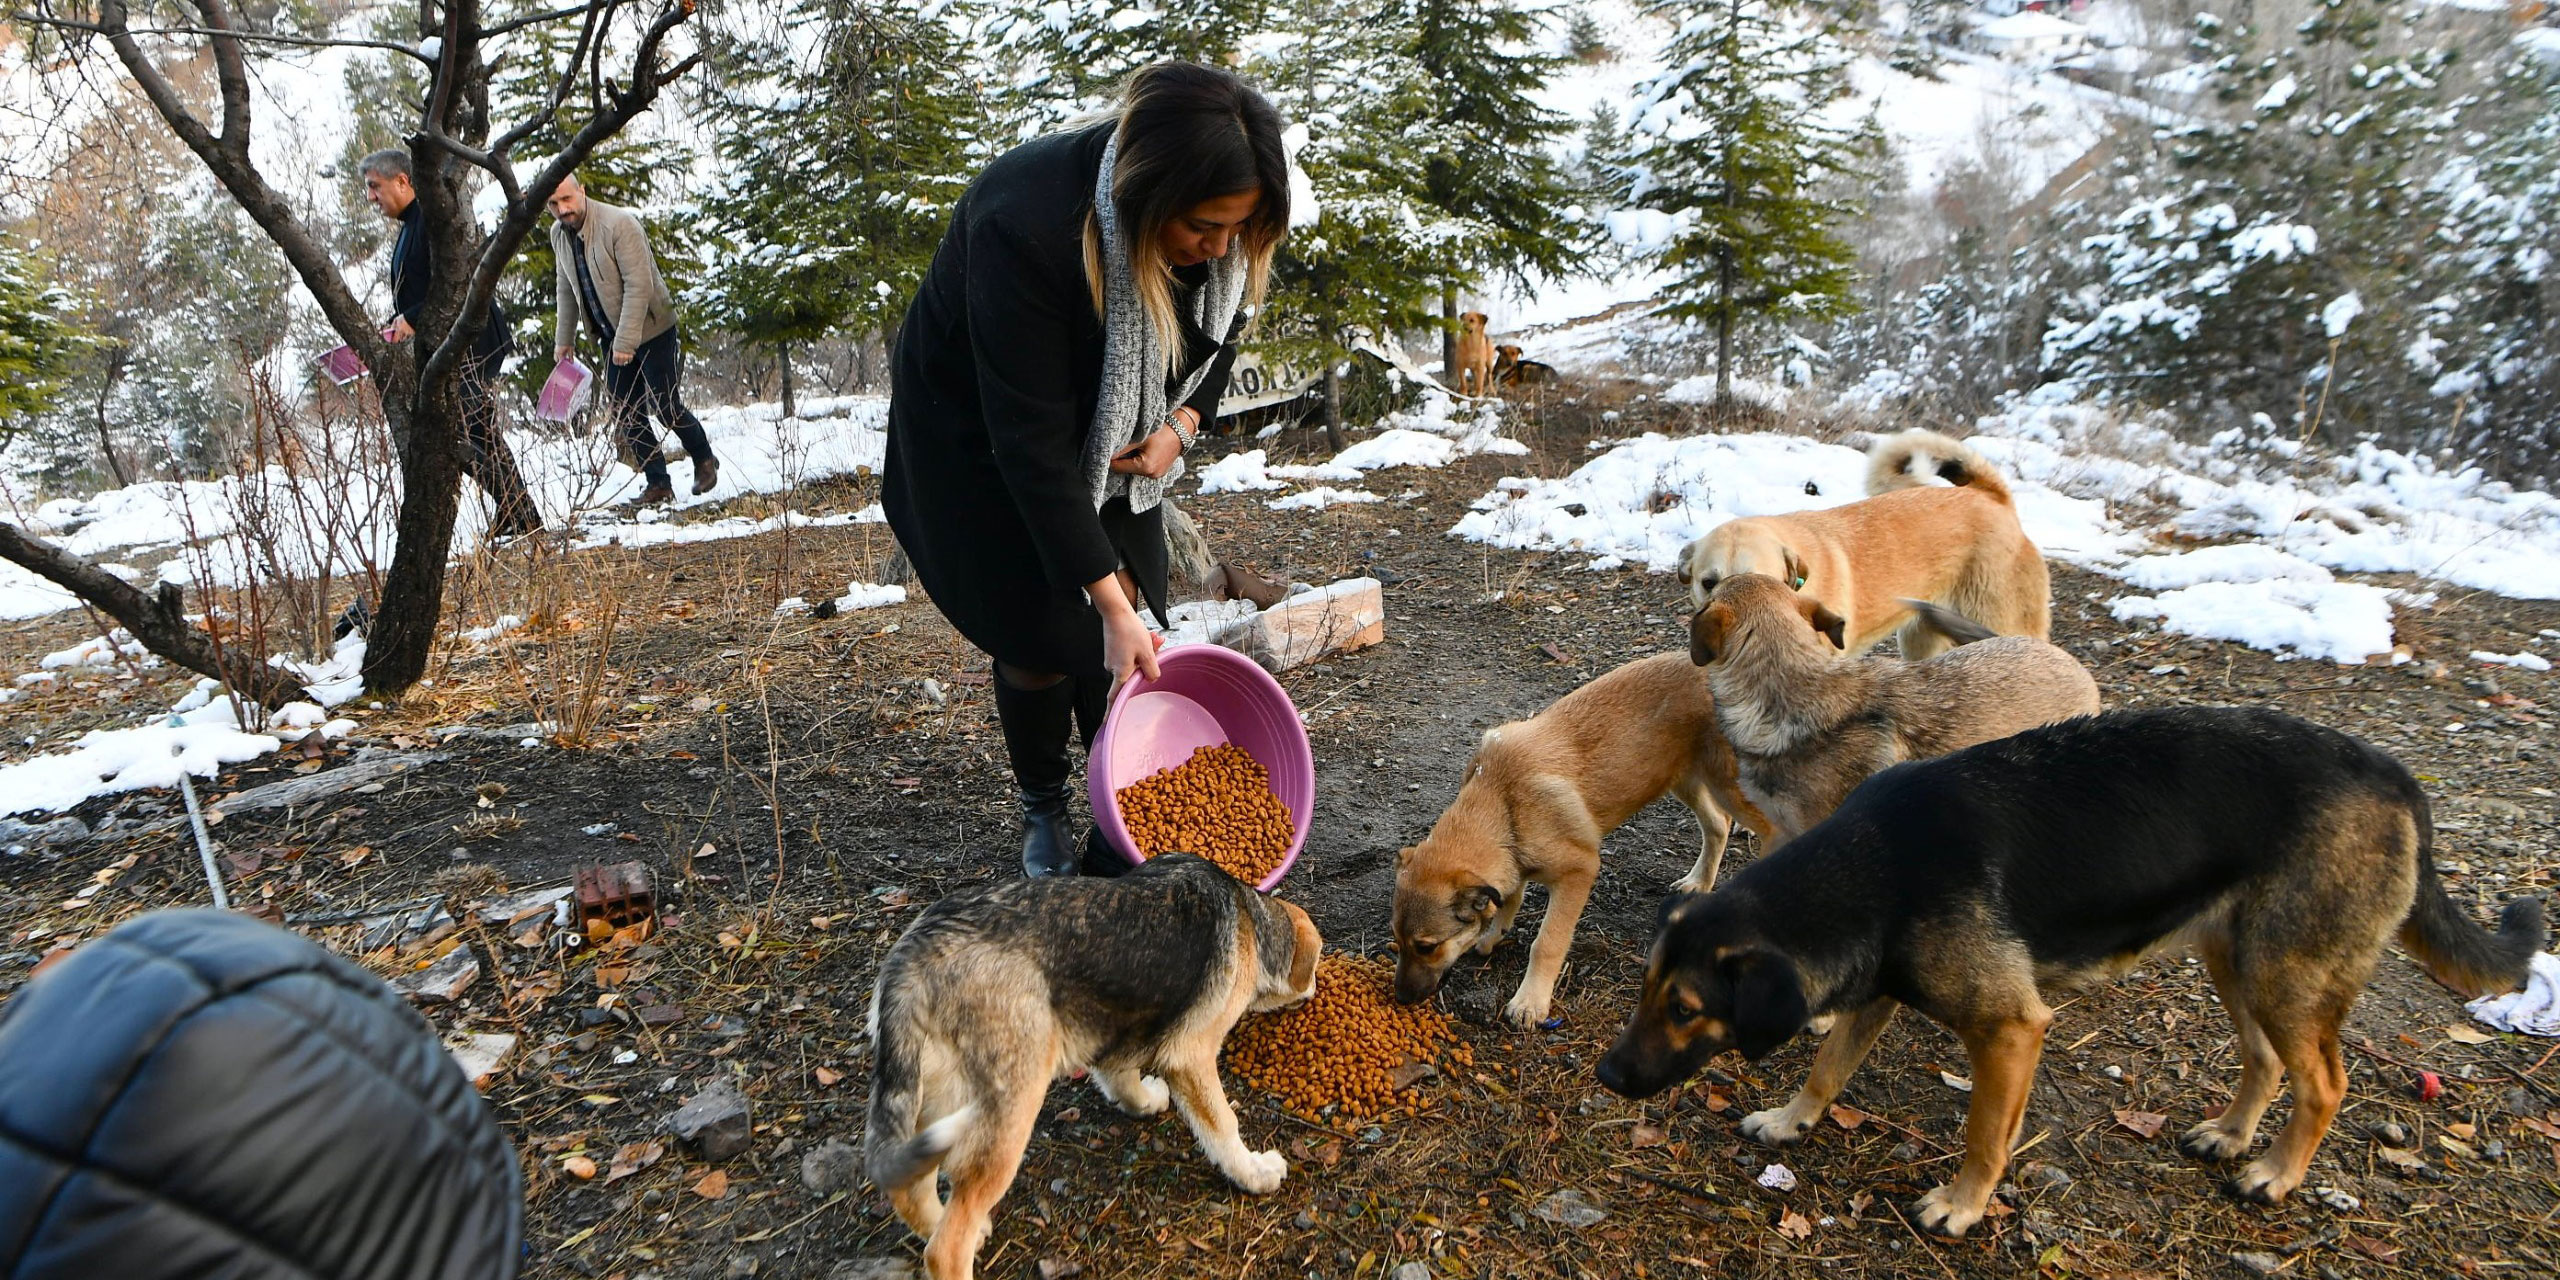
{"x": 1174, "y": 420}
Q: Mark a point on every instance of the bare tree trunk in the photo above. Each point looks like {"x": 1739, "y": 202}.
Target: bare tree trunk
{"x": 789, "y": 408}
{"x": 1724, "y": 330}
{"x": 158, "y": 620}
{"x": 1449, "y": 336}
{"x": 106, "y": 441}
{"x": 1333, "y": 404}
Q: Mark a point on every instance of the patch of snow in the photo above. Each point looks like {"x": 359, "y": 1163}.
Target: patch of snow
{"x": 2520, "y": 661}
{"x": 1320, "y": 497}
{"x": 2345, "y": 622}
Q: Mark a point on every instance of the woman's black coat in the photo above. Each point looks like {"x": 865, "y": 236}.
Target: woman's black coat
{"x": 993, "y": 386}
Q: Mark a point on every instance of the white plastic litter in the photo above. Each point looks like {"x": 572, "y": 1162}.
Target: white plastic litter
{"x": 2534, "y": 1011}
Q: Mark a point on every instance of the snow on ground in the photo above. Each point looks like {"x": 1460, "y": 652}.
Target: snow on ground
{"x": 857, "y": 595}
{"x": 231, "y": 530}
{"x": 1435, "y": 432}
{"x": 2297, "y": 520}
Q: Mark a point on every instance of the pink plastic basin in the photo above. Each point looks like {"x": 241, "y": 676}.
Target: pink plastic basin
{"x": 1207, "y": 695}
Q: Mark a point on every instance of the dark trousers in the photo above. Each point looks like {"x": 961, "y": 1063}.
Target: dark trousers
{"x": 646, "y": 389}
{"x": 485, "y": 455}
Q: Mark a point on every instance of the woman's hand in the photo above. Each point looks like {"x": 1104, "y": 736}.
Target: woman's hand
{"x": 1127, "y": 645}
{"x": 1151, "y": 457}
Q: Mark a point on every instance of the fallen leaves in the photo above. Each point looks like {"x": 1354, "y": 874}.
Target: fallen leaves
{"x": 826, "y": 1078}
{"x": 1956, "y": 1082}
{"x": 1795, "y": 1226}
{"x": 632, "y": 1158}
{"x": 714, "y": 1185}
{"x": 579, "y": 1167}
{"x": 2465, "y": 1033}
{"x": 1848, "y": 1117}
{"x": 1645, "y": 1135}
{"x": 2145, "y": 1123}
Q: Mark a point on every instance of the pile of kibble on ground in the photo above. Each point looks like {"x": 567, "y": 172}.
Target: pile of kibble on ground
{"x": 1217, "y": 804}
{"x": 1339, "y": 1055}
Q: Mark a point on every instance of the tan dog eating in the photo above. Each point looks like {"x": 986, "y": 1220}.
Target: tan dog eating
{"x": 1475, "y": 356}
{"x": 1807, "y": 723}
{"x": 1538, "y": 798}
{"x": 1960, "y": 547}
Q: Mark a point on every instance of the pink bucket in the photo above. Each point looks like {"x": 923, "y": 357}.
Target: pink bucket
{"x": 1207, "y": 695}
{"x": 564, "y": 393}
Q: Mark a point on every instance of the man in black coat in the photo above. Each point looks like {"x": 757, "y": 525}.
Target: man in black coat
{"x": 197, "y": 1094}
{"x": 389, "y": 187}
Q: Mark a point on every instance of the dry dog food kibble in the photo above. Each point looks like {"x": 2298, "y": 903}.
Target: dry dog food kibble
{"x": 1343, "y": 1047}
{"x": 1217, "y": 804}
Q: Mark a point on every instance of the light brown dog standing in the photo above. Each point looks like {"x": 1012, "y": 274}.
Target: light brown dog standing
{"x": 1958, "y": 546}
{"x": 1538, "y": 798}
{"x": 1474, "y": 373}
{"x": 1808, "y": 723}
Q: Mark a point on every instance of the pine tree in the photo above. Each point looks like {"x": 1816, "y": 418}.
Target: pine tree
{"x": 39, "y": 339}
{"x": 1488, "y": 157}
{"x": 1733, "y": 149}
{"x": 1064, "y": 56}
{"x": 2225, "y": 285}
{"x": 841, "y": 162}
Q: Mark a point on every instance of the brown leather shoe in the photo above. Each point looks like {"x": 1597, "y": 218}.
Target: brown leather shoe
{"x": 706, "y": 475}
{"x": 657, "y": 492}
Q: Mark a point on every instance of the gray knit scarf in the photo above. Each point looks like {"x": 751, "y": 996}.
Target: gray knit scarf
{"x": 1133, "y": 401}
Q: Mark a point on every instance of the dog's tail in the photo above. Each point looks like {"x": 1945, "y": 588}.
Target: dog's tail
{"x": 894, "y": 1153}
{"x": 2456, "y": 951}
{"x": 1957, "y": 628}
{"x": 1909, "y": 458}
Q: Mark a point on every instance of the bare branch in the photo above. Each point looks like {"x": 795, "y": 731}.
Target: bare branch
{"x": 231, "y": 71}
{"x": 157, "y": 620}
{"x": 229, "y": 160}
{"x": 533, "y": 19}
{"x": 250, "y": 37}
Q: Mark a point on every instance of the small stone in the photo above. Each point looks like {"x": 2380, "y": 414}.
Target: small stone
{"x": 583, "y": 1042}
{"x": 445, "y": 980}
{"x": 1778, "y": 1177}
{"x": 716, "y": 1123}
{"x": 2484, "y": 685}
{"x": 1059, "y": 1269}
{"x": 481, "y": 1054}
{"x": 1904, "y": 1153}
{"x": 2521, "y": 1102}
{"x": 2392, "y": 1135}
{"x": 1306, "y": 1221}
{"x": 2112, "y": 1072}
{"x": 659, "y": 1015}
{"x": 744, "y": 1267}
{"x": 1410, "y": 1271}
{"x": 831, "y": 1166}
{"x": 1568, "y": 1208}
{"x": 2256, "y": 1263}
{"x": 2336, "y": 1199}
{"x": 2036, "y": 1175}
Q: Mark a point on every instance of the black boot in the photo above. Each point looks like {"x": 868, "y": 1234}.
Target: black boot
{"x": 1036, "y": 724}
{"x": 1093, "y": 698}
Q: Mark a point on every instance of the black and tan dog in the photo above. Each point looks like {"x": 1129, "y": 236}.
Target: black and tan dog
{"x": 1538, "y": 798}
{"x": 1973, "y": 886}
{"x": 1808, "y": 723}
{"x": 992, "y": 993}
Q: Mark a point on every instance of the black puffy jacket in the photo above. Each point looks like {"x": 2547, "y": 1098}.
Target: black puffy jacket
{"x": 198, "y": 1094}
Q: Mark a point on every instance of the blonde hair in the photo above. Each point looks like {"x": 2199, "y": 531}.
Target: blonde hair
{"x": 1189, "y": 134}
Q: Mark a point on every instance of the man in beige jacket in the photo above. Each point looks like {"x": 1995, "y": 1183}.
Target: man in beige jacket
{"x": 609, "y": 278}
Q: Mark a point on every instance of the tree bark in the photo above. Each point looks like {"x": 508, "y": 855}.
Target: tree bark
{"x": 1724, "y": 329}
{"x": 1333, "y": 404}
{"x": 157, "y": 620}
{"x": 789, "y": 408}
{"x": 1449, "y": 336}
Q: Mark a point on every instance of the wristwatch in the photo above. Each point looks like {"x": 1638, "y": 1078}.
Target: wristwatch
{"x": 1174, "y": 420}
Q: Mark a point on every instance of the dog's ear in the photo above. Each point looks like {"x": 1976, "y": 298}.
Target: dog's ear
{"x": 1795, "y": 568}
{"x": 1476, "y": 902}
{"x": 1309, "y": 948}
{"x": 1823, "y": 620}
{"x": 1768, "y": 1000}
{"x": 1707, "y": 632}
{"x": 1404, "y": 857}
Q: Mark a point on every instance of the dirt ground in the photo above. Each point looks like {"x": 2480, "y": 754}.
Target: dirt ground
{"x": 802, "y": 787}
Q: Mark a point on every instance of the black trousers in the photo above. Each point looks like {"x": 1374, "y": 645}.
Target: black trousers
{"x": 485, "y": 456}
{"x": 646, "y": 389}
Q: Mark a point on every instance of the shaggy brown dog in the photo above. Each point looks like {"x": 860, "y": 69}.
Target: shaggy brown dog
{"x": 1807, "y": 723}
{"x": 1475, "y": 357}
{"x": 1958, "y": 546}
{"x": 1538, "y": 798}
